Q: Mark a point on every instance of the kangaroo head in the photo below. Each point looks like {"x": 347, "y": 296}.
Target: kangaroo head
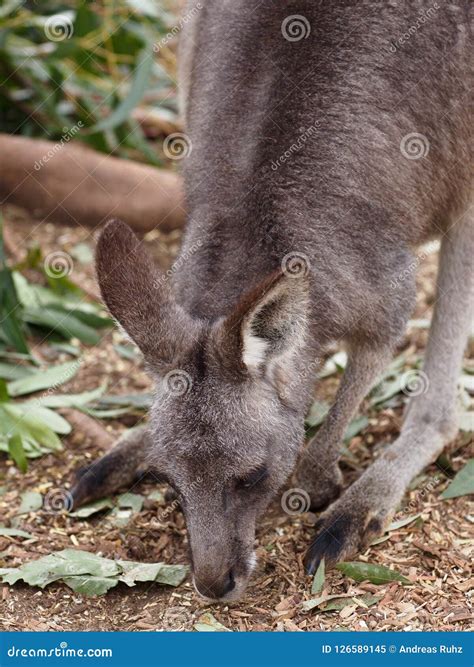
{"x": 225, "y": 430}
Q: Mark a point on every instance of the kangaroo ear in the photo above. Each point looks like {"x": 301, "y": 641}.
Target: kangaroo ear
{"x": 269, "y": 323}
{"x": 130, "y": 287}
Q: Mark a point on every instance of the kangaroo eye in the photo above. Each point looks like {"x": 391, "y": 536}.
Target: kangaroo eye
{"x": 252, "y": 479}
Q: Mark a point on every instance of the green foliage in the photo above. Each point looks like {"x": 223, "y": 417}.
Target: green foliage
{"x": 76, "y": 68}
{"x": 29, "y": 429}
{"x": 90, "y": 574}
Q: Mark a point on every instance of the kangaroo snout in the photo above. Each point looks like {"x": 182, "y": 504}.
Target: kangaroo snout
{"x": 214, "y": 586}
{"x": 221, "y": 570}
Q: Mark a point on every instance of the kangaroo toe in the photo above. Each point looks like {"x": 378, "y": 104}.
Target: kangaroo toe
{"x": 342, "y": 533}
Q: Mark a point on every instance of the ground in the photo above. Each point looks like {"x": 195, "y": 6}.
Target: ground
{"x": 435, "y": 552}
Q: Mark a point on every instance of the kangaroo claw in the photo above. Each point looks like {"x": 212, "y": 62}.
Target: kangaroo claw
{"x": 341, "y": 534}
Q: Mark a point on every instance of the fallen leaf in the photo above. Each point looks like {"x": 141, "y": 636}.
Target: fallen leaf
{"x": 318, "y": 581}
{"x": 207, "y": 623}
{"x": 462, "y": 484}
{"x": 31, "y": 501}
{"x": 13, "y": 532}
{"x": 88, "y": 510}
{"x": 376, "y": 574}
{"x": 90, "y": 574}
{"x": 395, "y": 525}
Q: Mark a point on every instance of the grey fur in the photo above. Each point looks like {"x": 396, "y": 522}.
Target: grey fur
{"x": 355, "y": 206}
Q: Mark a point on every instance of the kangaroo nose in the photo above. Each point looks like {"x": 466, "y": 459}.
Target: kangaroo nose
{"x": 216, "y": 587}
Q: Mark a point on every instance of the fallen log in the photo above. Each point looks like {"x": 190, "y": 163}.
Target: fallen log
{"x": 71, "y": 184}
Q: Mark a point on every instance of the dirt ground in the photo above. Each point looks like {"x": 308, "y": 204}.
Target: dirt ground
{"x": 435, "y": 553}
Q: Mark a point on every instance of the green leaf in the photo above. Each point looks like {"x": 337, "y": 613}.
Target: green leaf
{"x": 396, "y": 525}
{"x": 88, "y": 510}
{"x": 170, "y": 575}
{"x": 68, "y": 562}
{"x": 47, "y": 379}
{"x": 318, "y": 581}
{"x": 31, "y": 501}
{"x": 208, "y": 623}
{"x": 317, "y": 413}
{"x": 137, "y": 89}
{"x": 4, "y": 397}
{"x": 132, "y": 500}
{"x": 17, "y": 452}
{"x": 67, "y": 400}
{"x": 127, "y": 352}
{"x": 89, "y": 585}
{"x": 63, "y": 322}
{"x": 376, "y": 574}
{"x": 10, "y": 327}
{"x": 338, "y": 602}
{"x": 16, "y": 420}
{"x": 83, "y": 253}
{"x": 355, "y": 427}
{"x": 462, "y": 484}
{"x": 14, "y": 371}
{"x": 90, "y": 574}
{"x": 49, "y": 418}
{"x": 13, "y": 532}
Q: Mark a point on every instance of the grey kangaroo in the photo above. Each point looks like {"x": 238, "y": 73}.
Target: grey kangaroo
{"x": 329, "y": 140}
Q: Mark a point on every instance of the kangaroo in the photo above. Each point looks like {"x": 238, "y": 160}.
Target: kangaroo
{"x": 326, "y": 141}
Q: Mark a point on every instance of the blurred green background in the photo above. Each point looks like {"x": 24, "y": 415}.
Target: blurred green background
{"x": 102, "y": 70}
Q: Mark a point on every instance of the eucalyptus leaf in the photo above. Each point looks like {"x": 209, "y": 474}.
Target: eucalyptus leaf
{"x": 91, "y": 574}
{"x": 132, "y": 500}
{"x": 208, "y": 623}
{"x": 93, "y": 508}
{"x": 376, "y": 574}
{"x": 462, "y": 484}
{"x": 48, "y": 379}
{"x": 90, "y": 585}
{"x": 317, "y": 413}
{"x": 13, "y": 532}
{"x": 14, "y": 371}
{"x": 318, "y": 580}
{"x": 17, "y": 452}
{"x": 137, "y": 89}
{"x": 68, "y": 400}
{"x": 396, "y": 525}
{"x": 355, "y": 427}
{"x": 31, "y": 501}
